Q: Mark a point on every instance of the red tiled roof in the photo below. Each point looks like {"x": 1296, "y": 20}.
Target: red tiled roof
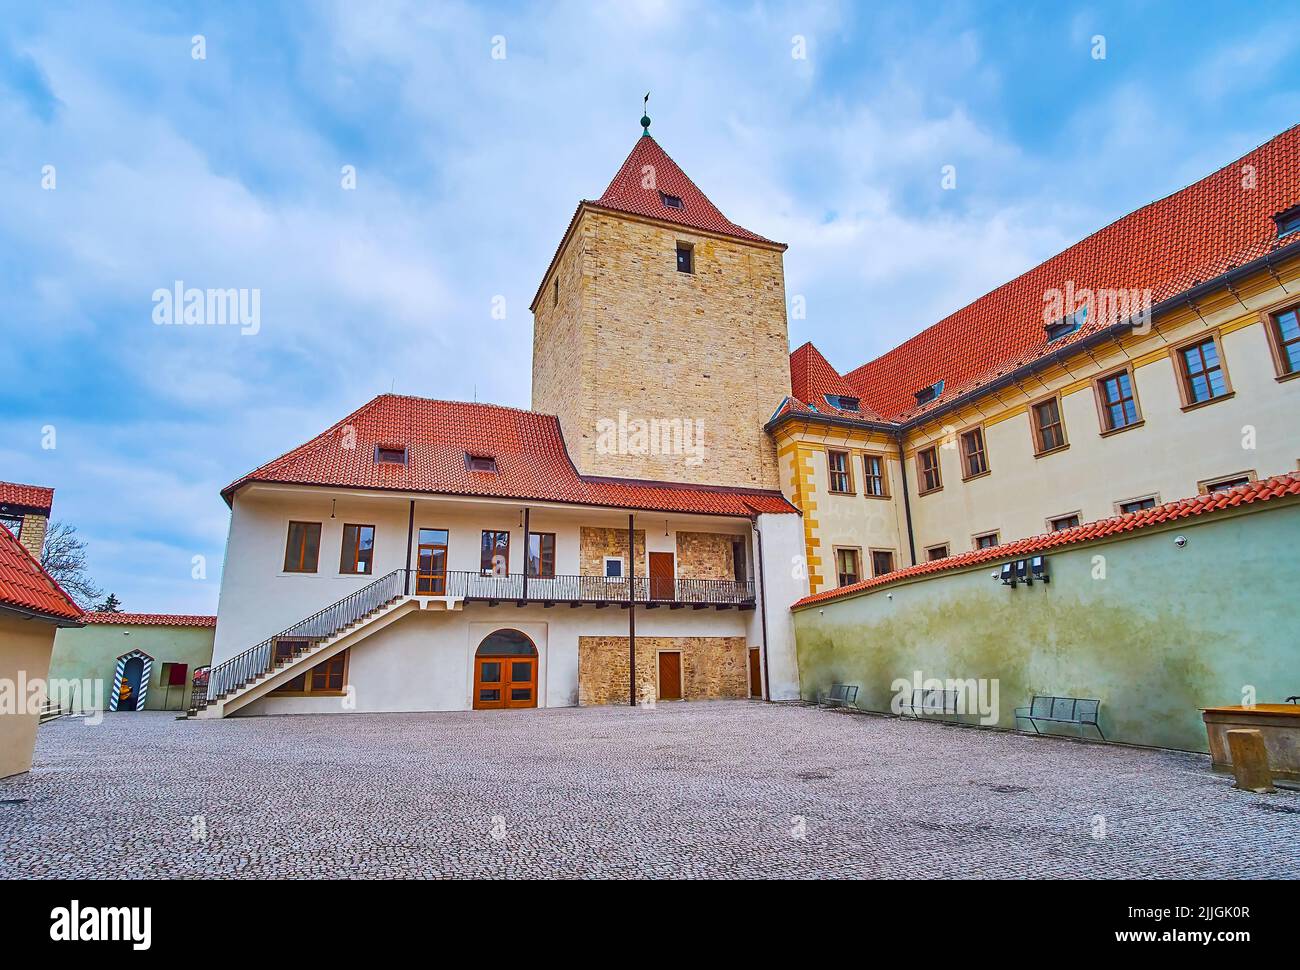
{"x": 1192, "y": 236}
{"x": 26, "y": 586}
{"x": 150, "y": 619}
{"x": 1273, "y": 488}
{"x": 812, "y": 378}
{"x": 532, "y": 461}
{"x": 627, "y": 193}
{"x": 32, "y": 496}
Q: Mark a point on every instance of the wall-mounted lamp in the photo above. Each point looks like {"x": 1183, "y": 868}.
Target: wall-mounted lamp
{"x": 1024, "y": 571}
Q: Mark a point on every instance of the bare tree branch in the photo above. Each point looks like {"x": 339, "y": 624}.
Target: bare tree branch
{"x": 64, "y": 557}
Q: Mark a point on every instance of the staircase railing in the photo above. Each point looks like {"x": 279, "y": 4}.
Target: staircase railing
{"x": 321, "y": 625}
{"x": 586, "y": 589}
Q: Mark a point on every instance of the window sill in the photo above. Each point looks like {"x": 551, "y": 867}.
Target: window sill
{"x": 1209, "y": 401}
{"x": 1052, "y": 451}
{"x": 1128, "y": 427}
{"x": 833, "y": 491}
{"x": 1287, "y": 377}
{"x": 298, "y": 572}
{"x": 971, "y": 478}
{"x": 875, "y": 496}
{"x": 930, "y": 491}
{"x": 307, "y": 693}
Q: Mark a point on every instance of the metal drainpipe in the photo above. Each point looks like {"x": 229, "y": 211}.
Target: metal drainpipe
{"x": 527, "y": 550}
{"x": 410, "y": 537}
{"x": 762, "y": 614}
{"x": 631, "y": 610}
{"x": 907, "y": 499}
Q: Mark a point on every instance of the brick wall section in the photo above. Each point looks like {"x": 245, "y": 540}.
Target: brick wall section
{"x": 595, "y": 543}
{"x": 657, "y": 343}
{"x": 32, "y": 533}
{"x": 712, "y": 668}
{"x": 705, "y": 555}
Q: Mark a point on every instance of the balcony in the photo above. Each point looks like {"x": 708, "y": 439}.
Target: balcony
{"x": 600, "y": 591}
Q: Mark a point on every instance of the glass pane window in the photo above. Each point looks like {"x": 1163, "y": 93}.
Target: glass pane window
{"x": 838, "y": 462}
{"x": 873, "y": 481}
{"x": 358, "y": 554}
{"x": 541, "y": 554}
{"x": 928, "y": 461}
{"x": 846, "y": 566}
{"x": 882, "y": 561}
{"x": 1050, "y": 429}
{"x": 494, "y": 556}
{"x": 1203, "y": 378}
{"x": 1288, "y": 338}
{"x": 302, "y": 549}
{"x": 1118, "y": 402}
{"x": 973, "y": 455}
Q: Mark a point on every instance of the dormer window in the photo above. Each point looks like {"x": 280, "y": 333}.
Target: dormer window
{"x": 927, "y": 394}
{"x": 390, "y": 455}
{"x": 1288, "y": 221}
{"x": 480, "y": 463}
{"x": 672, "y": 201}
{"x": 1067, "y": 324}
{"x": 843, "y": 403}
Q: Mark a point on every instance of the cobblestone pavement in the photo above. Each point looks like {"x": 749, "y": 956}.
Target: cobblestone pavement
{"x": 686, "y": 790}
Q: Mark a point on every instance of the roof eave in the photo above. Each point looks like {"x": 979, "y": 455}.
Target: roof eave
{"x": 1105, "y": 334}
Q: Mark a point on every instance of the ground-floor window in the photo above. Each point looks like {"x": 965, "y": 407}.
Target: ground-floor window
{"x": 329, "y": 677}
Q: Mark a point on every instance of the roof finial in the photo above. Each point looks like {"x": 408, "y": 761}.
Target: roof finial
{"x": 645, "y": 118}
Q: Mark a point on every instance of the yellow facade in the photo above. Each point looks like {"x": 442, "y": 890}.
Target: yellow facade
{"x": 1172, "y": 452}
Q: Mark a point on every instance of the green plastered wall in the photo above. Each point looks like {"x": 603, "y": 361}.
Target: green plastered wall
{"x": 1166, "y": 632}
{"x": 91, "y": 652}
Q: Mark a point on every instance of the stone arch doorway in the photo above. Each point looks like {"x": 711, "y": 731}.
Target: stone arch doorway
{"x": 505, "y": 671}
{"x": 131, "y": 681}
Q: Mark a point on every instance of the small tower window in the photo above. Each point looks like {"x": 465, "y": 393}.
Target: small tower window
{"x": 672, "y": 201}
{"x": 555, "y": 293}
{"x": 685, "y": 258}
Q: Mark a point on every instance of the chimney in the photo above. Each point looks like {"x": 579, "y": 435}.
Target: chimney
{"x": 25, "y": 511}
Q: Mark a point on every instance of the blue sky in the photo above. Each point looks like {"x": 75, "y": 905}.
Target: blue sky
{"x": 225, "y": 172}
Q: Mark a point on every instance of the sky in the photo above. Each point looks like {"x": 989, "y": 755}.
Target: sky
{"x": 383, "y": 175}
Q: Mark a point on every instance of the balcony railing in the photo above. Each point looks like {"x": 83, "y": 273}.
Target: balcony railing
{"x": 651, "y": 591}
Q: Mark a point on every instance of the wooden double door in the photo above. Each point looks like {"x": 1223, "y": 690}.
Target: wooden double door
{"x": 501, "y": 682}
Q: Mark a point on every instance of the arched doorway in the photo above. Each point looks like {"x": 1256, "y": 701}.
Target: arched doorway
{"x": 505, "y": 671}
{"x": 131, "y": 681}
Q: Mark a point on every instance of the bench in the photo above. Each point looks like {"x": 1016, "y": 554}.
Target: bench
{"x": 931, "y": 702}
{"x": 1062, "y": 710}
{"x": 840, "y": 695}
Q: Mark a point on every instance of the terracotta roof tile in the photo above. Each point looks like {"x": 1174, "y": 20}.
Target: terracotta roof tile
{"x": 31, "y": 496}
{"x": 531, "y": 458}
{"x": 812, "y": 378}
{"x": 26, "y": 586}
{"x": 628, "y": 193}
{"x": 1169, "y": 246}
{"x": 150, "y": 619}
{"x": 1272, "y": 488}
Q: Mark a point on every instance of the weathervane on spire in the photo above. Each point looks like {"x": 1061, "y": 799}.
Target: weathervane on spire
{"x": 645, "y": 117}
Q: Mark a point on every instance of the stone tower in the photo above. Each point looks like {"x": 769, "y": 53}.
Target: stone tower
{"x": 659, "y": 333}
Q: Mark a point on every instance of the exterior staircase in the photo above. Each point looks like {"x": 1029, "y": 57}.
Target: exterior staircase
{"x": 257, "y": 671}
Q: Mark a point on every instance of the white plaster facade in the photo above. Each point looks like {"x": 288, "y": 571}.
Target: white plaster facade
{"x": 423, "y": 661}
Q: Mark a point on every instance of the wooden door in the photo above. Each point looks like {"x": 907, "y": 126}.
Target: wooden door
{"x": 661, "y": 576}
{"x": 670, "y": 675}
{"x": 755, "y": 674}
{"x": 521, "y": 682}
{"x": 431, "y": 572}
{"x": 489, "y": 683}
{"x": 501, "y": 682}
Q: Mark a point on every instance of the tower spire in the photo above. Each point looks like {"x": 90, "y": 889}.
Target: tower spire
{"x": 645, "y": 116}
